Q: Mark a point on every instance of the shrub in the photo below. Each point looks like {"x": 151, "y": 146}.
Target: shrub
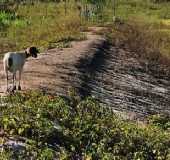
{"x": 53, "y": 127}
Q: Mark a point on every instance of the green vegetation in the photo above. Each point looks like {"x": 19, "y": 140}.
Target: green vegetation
{"x": 41, "y": 24}
{"x": 55, "y": 23}
{"x": 72, "y": 129}
{"x": 143, "y": 8}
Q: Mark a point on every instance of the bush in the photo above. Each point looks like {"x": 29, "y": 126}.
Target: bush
{"x": 53, "y": 127}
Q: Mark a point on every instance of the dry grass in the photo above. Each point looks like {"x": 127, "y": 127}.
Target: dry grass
{"x": 149, "y": 42}
{"x": 145, "y": 38}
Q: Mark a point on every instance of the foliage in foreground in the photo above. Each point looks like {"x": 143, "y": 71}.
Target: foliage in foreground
{"x": 71, "y": 129}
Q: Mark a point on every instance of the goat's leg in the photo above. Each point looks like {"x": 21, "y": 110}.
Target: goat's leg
{"x": 7, "y": 78}
{"x": 14, "y": 82}
{"x": 19, "y": 86}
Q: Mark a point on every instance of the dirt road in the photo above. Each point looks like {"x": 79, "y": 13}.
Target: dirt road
{"x": 101, "y": 70}
{"x": 54, "y": 70}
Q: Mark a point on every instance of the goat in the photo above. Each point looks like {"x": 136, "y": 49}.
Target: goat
{"x": 14, "y": 61}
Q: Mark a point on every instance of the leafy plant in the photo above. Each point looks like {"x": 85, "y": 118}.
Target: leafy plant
{"x": 55, "y": 127}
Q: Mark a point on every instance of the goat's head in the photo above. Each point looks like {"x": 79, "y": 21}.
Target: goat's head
{"x": 32, "y": 51}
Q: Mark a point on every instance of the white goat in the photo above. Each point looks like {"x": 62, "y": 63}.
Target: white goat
{"x": 14, "y": 61}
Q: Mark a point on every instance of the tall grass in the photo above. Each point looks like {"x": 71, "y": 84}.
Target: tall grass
{"x": 146, "y": 28}
{"x": 143, "y": 8}
{"x": 148, "y": 42}
{"x": 43, "y": 25}
{"x": 54, "y": 24}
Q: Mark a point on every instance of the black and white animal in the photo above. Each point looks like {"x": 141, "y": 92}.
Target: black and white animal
{"x": 14, "y": 61}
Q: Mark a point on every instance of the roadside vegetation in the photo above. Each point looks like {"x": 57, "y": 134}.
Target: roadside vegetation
{"x": 54, "y": 128}
{"x": 50, "y": 24}
{"x": 143, "y": 28}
